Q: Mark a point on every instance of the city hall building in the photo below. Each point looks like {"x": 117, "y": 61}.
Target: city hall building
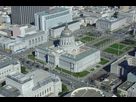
{"x": 68, "y": 54}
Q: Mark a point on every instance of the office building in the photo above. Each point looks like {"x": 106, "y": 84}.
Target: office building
{"x": 68, "y": 54}
{"x": 110, "y": 23}
{"x": 8, "y": 65}
{"x": 56, "y": 31}
{"x": 123, "y": 66}
{"x": 25, "y": 14}
{"x": 48, "y": 19}
{"x": 37, "y": 83}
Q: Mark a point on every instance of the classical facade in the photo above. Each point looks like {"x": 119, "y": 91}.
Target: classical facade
{"x": 110, "y": 23}
{"x": 8, "y": 65}
{"x": 37, "y": 83}
{"x": 68, "y": 54}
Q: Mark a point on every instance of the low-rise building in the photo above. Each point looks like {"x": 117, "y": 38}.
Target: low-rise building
{"x": 22, "y": 29}
{"x": 107, "y": 80}
{"x": 123, "y": 88}
{"x": 37, "y": 83}
{"x": 131, "y": 92}
{"x": 110, "y": 23}
{"x": 8, "y": 65}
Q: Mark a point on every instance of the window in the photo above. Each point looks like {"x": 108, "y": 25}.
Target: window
{"x": 36, "y": 40}
{"x": 41, "y": 38}
{"x": 42, "y": 92}
{"x": 45, "y": 91}
{"x": 29, "y": 42}
{"x": 33, "y": 41}
{"x": 50, "y": 88}
{"x": 37, "y": 95}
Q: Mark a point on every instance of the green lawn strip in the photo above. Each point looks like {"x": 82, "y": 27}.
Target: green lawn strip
{"x": 97, "y": 66}
{"x": 117, "y": 30}
{"x": 101, "y": 42}
{"x": 23, "y": 70}
{"x": 33, "y": 58}
{"x": 103, "y": 61}
{"x": 127, "y": 48}
{"x": 0, "y": 86}
{"x": 79, "y": 74}
{"x": 64, "y": 90}
{"x": 113, "y": 51}
{"x": 120, "y": 46}
{"x": 87, "y": 38}
{"x": 92, "y": 69}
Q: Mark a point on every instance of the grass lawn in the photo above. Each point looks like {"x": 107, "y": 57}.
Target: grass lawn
{"x": 87, "y": 38}
{"x": 92, "y": 69}
{"x": 33, "y": 58}
{"x": 113, "y": 51}
{"x": 97, "y": 66}
{"x": 79, "y": 74}
{"x": 120, "y": 46}
{"x": 117, "y": 30}
{"x": 23, "y": 70}
{"x": 127, "y": 48}
{"x": 64, "y": 90}
{"x": 103, "y": 61}
{"x": 0, "y": 86}
{"x": 101, "y": 42}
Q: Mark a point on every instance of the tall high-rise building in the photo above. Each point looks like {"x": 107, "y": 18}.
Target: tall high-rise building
{"x": 25, "y": 14}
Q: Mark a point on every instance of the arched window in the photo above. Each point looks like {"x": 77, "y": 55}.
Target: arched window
{"x": 29, "y": 42}
{"x": 35, "y": 40}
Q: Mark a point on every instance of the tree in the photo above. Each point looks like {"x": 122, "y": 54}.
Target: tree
{"x": 115, "y": 14}
{"x": 108, "y": 87}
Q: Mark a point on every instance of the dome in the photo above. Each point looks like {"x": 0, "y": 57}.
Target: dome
{"x": 66, "y": 32}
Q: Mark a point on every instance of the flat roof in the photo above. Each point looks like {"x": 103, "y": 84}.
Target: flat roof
{"x": 30, "y": 34}
{"x": 9, "y": 91}
{"x": 52, "y": 11}
{"x": 62, "y": 25}
{"x": 126, "y": 85}
{"x": 6, "y": 60}
{"x": 38, "y": 75}
{"x": 109, "y": 79}
{"x": 18, "y": 77}
{"x": 86, "y": 51}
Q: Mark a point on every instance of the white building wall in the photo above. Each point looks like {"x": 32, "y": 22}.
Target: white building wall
{"x": 8, "y": 69}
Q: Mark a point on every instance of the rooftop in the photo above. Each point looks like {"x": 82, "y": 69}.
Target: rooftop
{"x": 63, "y": 25}
{"x": 111, "y": 19}
{"x": 110, "y": 80}
{"x": 30, "y": 34}
{"x": 83, "y": 51}
{"x": 126, "y": 85}
{"x": 9, "y": 91}
{"x": 6, "y": 60}
{"x": 18, "y": 77}
{"x": 52, "y": 11}
{"x": 41, "y": 77}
